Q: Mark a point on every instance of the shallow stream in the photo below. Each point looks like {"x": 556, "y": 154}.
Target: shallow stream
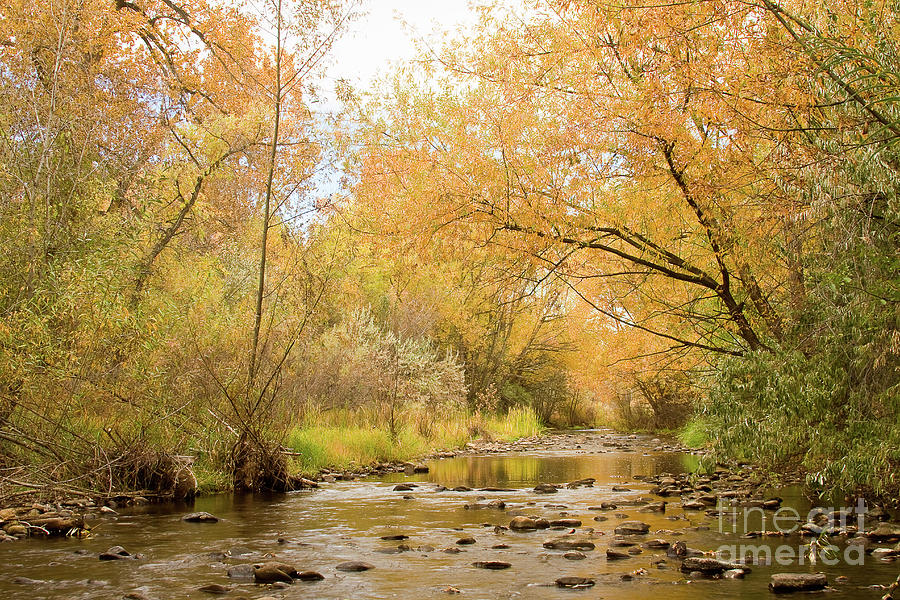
{"x": 346, "y": 520}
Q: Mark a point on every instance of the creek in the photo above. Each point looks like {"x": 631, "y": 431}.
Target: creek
{"x": 346, "y": 521}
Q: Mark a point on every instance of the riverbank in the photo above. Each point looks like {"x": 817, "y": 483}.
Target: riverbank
{"x": 334, "y": 447}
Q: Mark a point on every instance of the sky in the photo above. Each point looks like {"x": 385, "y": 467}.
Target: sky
{"x": 380, "y": 38}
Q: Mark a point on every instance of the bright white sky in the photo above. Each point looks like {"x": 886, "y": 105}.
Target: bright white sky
{"x": 379, "y": 38}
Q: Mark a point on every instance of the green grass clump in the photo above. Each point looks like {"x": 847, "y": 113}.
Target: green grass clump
{"x": 517, "y": 423}
{"x": 695, "y": 433}
{"x": 338, "y": 441}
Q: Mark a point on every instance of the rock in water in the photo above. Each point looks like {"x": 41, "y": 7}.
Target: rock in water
{"x": 310, "y": 576}
{"x": 354, "y": 566}
{"x": 568, "y": 544}
{"x": 116, "y": 553}
{"x": 885, "y": 532}
{"x": 523, "y": 524}
{"x": 214, "y": 588}
{"x": 494, "y": 565}
{"x": 574, "y": 582}
{"x": 272, "y": 572}
{"x": 200, "y": 517}
{"x": 632, "y": 528}
{"x": 241, "y": 572}
{"x": 545, "y": 488}
{"x": 565, "y": 523}
{"x": 708, "y": 566}
{"x": 797, "y": 582}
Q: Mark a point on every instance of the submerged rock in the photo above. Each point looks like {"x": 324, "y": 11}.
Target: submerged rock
{"x": 354, "y": 566}
{"x": 568, "y": 544}
{"x": 574, "y": 582}
{"x": 707, "y": 566}
{"x": 200, "y": 517}
{"x": 632, "y": 528}
{"x": 310, "y": 576}
{"x": 272, "y": 572}
{"x": 884, "y": 532}
{"x": 493, "y": 565}
{"x": 797, "y": 582}
{"x": 522, "y": 523}
{"x": 545, "y": 488}
{"x": 587, "y": 482}
{"x": 214, "y": 588}
{"x": 116, "y": 553}
{"x": 241, "y": 572}
{"x": 565, "y": 523}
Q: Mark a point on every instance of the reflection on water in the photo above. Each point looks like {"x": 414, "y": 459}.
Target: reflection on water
{"x": 526, "y": 470}
{"x": 345, "y": 521}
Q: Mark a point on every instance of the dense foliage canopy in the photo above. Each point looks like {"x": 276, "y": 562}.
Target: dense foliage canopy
{"x": 628, "y": 211}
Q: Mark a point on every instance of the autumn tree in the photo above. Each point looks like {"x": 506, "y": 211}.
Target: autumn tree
{"x": 682, "y": 169}
{"x": 138, "y": 144}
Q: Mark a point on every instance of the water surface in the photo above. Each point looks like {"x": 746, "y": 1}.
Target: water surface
{"x": 345, "y": 521}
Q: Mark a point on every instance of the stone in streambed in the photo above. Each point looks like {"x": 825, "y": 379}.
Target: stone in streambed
{"x": 565, "y": 523}
{"x": 493, "y": 565}
{"x": 272, "y": 572}
{"x": 708, "y": 566}
{"x": 310, "y": 576}
{"x": 466, "y": 541}
{"x": 568, "y": 544}
{"x": 522, "y": 523}
{"x": 200, "y": 517}
{"x": 15, "y": 529}
{"x": 632, "y": 528}
{"x": 545, "y": 488}
{"x": 574, "y": 582}
{"x": 654, "y": 507}
{"x": 495, "y": 504}
{"x": 587, "y": 481}
{"x": 241, "y": 572}
{"x": 616, "y": 554}
{"x": 214, "y": 588}
{"x": 680, "y": 550}
{"x": 116, "y": 553}
{"x": 354, "y": 566}
{"x": 797, "y": 582}
{"x": 884, "y": 532}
